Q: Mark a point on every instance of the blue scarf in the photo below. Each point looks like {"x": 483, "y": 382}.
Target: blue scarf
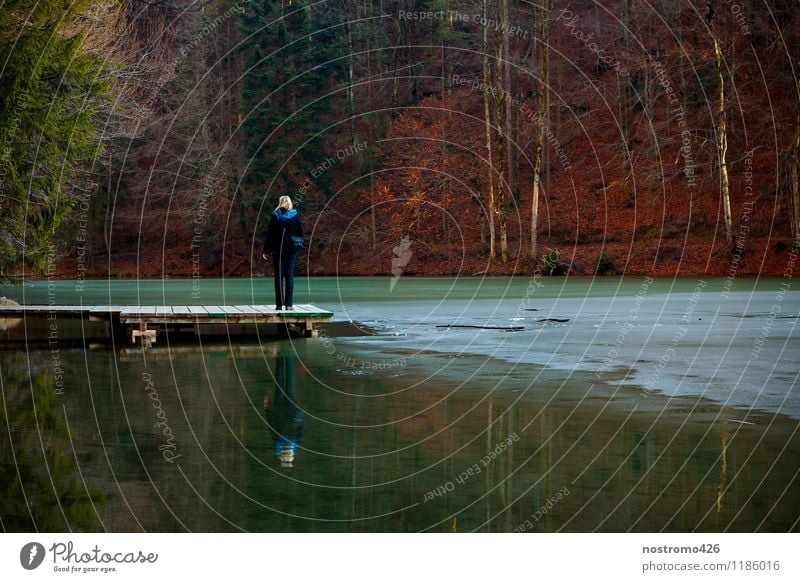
{"x": 282, "y": 214}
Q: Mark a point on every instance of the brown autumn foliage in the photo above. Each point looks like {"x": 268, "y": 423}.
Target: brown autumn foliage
{"x": 614, "y": 178}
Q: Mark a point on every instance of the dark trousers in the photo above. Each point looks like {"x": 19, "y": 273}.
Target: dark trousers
{"x": 284, "y": 279}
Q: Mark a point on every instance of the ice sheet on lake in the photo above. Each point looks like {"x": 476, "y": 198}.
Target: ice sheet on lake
{"x": 739, "y": 349}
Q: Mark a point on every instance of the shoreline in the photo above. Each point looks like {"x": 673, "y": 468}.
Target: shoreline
{"x": 618, "y": 388}
{"x": 14, "y": 281}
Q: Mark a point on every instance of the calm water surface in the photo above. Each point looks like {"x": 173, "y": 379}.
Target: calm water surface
{"x": 669, "y": 405}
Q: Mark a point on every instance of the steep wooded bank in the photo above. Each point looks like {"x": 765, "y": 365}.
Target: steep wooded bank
{"x": 153, "y": 137}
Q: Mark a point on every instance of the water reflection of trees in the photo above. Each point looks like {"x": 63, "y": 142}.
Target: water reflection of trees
{"x": 43, "y": 489}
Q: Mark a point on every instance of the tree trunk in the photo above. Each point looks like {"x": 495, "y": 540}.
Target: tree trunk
{"x": 500, "y": 44}
{"x": 556, "y": 125}
{"x": 623, "y": 86}
{"x": 507, "y": 92}
{"x": 541, "y": 120}
{"x": 722, "y": 140}
{"x": 487, "y": 78}
{"x": 484, "y": 225}
{"x": 373, "y": 219}
{"x": 517, "y": 147}
{"x": 351, "y": 99}
{"x": 794, "y": 162}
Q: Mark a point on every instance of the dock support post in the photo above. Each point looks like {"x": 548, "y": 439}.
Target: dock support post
{"x": 147, "y": 337}
{"x": 296, "y": 329}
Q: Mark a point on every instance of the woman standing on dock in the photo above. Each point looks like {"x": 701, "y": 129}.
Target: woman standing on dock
{"x": 283, "y": 241}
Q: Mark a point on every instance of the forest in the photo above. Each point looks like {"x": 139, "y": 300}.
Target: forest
{"x": 152, "y": 138}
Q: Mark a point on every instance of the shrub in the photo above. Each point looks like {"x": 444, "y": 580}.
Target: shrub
{"x": 606, "y": 264}
{"x": 551, "y": 262}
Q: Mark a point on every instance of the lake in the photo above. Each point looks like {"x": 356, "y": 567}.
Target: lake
{"x": 591, "y": 404}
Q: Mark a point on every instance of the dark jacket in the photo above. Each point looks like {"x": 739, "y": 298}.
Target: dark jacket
{"x": 283, "y": 225}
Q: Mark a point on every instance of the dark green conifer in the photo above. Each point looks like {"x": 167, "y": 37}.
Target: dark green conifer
{"x": 50, "y": 97}
{"x": 294, "y": 58}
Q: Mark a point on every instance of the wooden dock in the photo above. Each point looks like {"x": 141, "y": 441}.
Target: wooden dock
{"x": 138, "y": 320}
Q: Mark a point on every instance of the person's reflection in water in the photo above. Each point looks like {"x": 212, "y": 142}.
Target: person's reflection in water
{"x": 284, "y": 416}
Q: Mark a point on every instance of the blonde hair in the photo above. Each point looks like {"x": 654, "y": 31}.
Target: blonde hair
{"x": 285, "y": 202}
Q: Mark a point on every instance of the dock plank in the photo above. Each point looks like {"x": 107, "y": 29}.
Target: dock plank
{"x": 214, "y": 311}
{"x": 313, "y": 310}
{"x": 139, "y": 311}
{"x": 169, "y": 314}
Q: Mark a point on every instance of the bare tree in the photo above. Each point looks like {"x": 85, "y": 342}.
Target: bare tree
{"x": 721, "y": 124}
{"x": 487, "y": 83}
{"x": 794, "y": 165}
{"x": 501, "y": 46}
{"x": 794, "y": 155}
{"x": 624, "y": 97}
{"x": 540, "y": 88}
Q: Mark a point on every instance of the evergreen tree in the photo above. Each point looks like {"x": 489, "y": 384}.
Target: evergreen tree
{"x": 51, "y": 94}
{"x": 292, "y": 62}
